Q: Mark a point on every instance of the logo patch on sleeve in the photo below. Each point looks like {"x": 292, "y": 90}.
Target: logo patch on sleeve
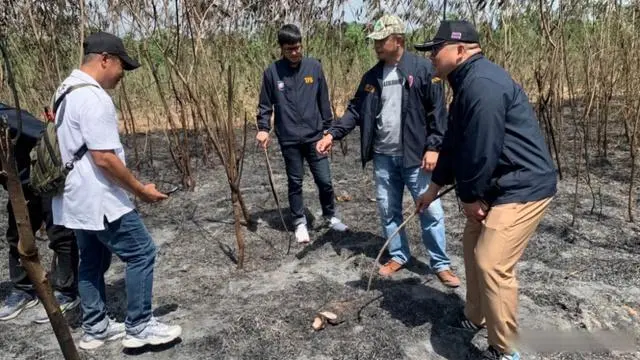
{"x": 436, "y": 80}
{"x": 280, "y": 85}
{"x": 308, "y": 79}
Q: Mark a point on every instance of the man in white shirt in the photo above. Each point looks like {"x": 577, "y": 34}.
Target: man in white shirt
{"x": 95, "y": 203}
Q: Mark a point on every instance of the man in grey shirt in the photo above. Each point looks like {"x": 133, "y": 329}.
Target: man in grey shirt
{"x": 400, "y": 109}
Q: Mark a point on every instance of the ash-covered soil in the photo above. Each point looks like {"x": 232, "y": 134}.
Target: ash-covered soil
{"x": 581, "y": 279}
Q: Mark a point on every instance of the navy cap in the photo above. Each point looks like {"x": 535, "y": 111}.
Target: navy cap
{"x": 451, "y": 30}
{"x": 102, "y": 42}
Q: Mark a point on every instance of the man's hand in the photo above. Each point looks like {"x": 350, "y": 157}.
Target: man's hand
{"x": 474, "y": 211}
{"x": 150, "y": 194}
{"x": 429, "y": 160}
{"x": 425, "y": 200}
{"x": 324, "y": 145}
{"x": 263, "y": 139}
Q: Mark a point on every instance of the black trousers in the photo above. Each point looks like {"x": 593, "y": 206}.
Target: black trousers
{"x": 294, "y": 157}
{"x": 61, "y": 240}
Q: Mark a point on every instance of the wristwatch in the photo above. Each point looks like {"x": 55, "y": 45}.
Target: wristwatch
{"x": 326, "y": 132}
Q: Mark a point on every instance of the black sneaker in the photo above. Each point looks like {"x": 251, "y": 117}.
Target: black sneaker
{"x": 463, "y": 323}
{"x": 494, "y": 354}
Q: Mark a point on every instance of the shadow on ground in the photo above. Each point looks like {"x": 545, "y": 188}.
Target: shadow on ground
{"x": 356, "y": 243}
{"x": 414, "y": 303}
{"x": 151, "y": 348}
{"x": 273, "y": 219}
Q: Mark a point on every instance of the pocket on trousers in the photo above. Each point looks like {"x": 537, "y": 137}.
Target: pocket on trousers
{"x": 501, "y": 216}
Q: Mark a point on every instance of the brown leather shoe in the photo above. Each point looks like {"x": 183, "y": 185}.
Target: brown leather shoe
{"x": 448, "y": 278}
{"x": 389, "y": 268}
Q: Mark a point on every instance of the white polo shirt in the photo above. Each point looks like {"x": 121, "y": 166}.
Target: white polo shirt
{"x": 89, "y": 196}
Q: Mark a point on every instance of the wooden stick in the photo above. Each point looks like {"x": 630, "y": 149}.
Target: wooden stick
{"x": 275, "y": 196}
{"x": 394, "y": 234}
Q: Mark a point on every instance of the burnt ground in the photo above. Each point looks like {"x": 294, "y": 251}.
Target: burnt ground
{"x": 581, "y": 279}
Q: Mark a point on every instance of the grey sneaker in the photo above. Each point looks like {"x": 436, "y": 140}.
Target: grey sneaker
{"x": 66, "y": 303}
{"x": 17, "y": 302}
{"x": 337, "y": 224}
{"x": 114, "y": 331}
{"x": 156, "y": 333}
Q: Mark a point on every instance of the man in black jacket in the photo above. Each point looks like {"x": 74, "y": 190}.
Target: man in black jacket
{"x": 399, "y": 106}
{"x": 62, "y": 241}
{"x": 495, "y": 153}
{"x": 295, "y": 87}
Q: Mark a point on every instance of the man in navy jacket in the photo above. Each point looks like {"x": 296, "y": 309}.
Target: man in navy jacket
{"x": 295, "y": 87}
{"x": 399, "y": 107}
{"x": 496, "y": 155}
{"x": 64, "y": 279}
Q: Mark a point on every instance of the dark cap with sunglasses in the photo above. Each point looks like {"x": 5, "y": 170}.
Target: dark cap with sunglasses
{"x": 458, "y": 31}
{"x": 102, "y": 42}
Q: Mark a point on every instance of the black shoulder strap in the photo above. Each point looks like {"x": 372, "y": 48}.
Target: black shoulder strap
{"x": 58, "y": 101}
{"x": 83, "y": 149}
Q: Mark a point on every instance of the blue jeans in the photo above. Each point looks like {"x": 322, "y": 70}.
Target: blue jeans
{"x": 128, "y": 238}
{"x": 391, "y": 178}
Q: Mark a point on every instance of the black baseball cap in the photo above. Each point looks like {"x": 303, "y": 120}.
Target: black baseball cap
{"x": 451, "y": 30}
{"x": 102, "y": 42}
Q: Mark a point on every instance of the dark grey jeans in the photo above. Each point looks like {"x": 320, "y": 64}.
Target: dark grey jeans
{"x": 294, "y": 157}
{"x": 61, "y": 240}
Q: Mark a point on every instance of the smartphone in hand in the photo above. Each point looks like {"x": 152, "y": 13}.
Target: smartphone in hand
{"x": 170, "y": 190}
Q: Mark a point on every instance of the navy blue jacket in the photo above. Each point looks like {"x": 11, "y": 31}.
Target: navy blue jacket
{"x": 32, "y": 128}
{"x": 493, "y": 149}
{"x": 424, "y": 116}
{"x": 300, "y": 98}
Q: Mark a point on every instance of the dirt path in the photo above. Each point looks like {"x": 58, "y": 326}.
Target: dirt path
{"x": 582, "y": 278}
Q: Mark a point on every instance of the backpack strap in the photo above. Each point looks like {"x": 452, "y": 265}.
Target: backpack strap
{"x": 58, "y": 101}
{"x": 83, "y": 149}
{"x": 77, "y": 156}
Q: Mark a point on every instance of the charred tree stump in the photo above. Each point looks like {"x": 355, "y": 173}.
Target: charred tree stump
{"x": 343, "y": 310}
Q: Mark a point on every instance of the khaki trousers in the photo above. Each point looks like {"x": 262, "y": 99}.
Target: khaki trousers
{"x": 491, "y": 250}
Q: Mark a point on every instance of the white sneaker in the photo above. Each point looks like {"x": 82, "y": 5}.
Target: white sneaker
{"x": 337, "y": 224}
{"x": 156, "y": 333}
{"x": 114, "y": 331}
{"x": 302, "y": 235}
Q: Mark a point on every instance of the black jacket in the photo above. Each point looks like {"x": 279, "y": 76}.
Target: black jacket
{"x": 424, "y": 117}
{"x": 32, "y": 128}
{"x": 493, "y": 149}
{"x": 300, "y": 98}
